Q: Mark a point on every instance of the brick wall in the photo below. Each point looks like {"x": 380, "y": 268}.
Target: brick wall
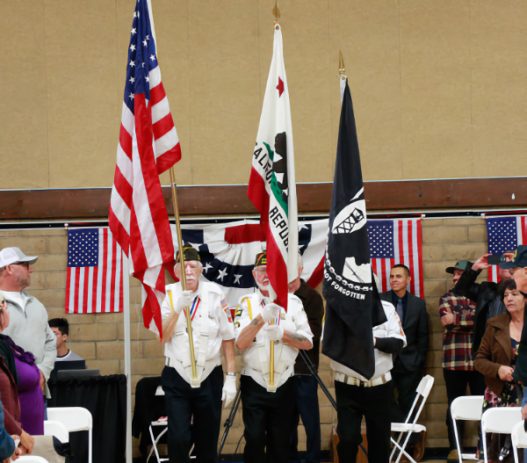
{"x": 99, "y": 338}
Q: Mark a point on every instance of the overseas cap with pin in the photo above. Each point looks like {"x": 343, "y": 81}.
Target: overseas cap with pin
{"x": 189, "y": 253}
{"x": 261, "y": 259}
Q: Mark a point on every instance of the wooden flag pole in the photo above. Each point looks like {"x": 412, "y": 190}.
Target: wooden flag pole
{"x": 276, "y": 12}
{"x": 342, "y": 74}
{"x": 342, "y": 67}
{"x": 271, "y": 385}
{"x": 194, "y": 381}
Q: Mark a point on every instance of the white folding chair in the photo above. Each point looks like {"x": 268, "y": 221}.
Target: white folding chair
{"x": 74, "y": 419}
{"x": 159, "y": 423}
{"x": 519, "y": 439}
{"x": 498, "y": 420}
{"x": 410, "y": 426}
{"x": 465, "y": 408}
{"x": 56, "y": 429}
{"x": 31, "y": 459}
{"x": 162, "y": 423}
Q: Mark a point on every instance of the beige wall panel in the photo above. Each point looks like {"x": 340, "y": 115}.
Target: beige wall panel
{"x": 223, "y": 73}
{"x": 499, "y": 110}
{"x": 368, "y": 35}
{"x": 172, "y": 22}
{"x": 313, "y": 83}
{"x": 23, "y": 79}
{"x": 84, "y": 91}
{"x": 435, "y": 76}
{"x": 439, "y": 87}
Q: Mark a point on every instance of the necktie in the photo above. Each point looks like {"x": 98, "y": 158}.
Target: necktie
{"x": 399, "y": 309}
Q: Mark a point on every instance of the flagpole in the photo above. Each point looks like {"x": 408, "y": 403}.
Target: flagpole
{"x": 127, "y": 358}
{"x": 342, "y": 74}
{"x": 194, "y": 381}
{"x": 271, "y": 386}
{"x": 276, "y": 12}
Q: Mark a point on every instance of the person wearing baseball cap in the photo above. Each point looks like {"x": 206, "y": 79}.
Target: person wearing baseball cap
{"x": 28, "y": 325}
{"x": 457, "y": 314}
{"x": 15, "y": 255}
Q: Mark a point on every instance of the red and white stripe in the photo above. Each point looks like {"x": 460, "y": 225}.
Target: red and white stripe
{"x": 97, "y": 289}
{"x": 148, "y": 145}
{"x": 408, "y": 241}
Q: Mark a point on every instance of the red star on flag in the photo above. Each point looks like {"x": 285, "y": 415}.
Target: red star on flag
{"x": 280, "y": 87}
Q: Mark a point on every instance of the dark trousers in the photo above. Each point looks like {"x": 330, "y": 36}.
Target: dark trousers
{"x": 354, "y": 402}
{"x": 267, "y": 418}
{"x": 456, "y": 383}
{"x": 306, "y": 387}
{"x": 404, "y": 386}
{"x": 203, "y": 405}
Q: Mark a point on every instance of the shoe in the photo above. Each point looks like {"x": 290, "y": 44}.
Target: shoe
{"x": 452, "y": 456}
{"x": 418, "y": 451}
{"x": 505, "y": 450}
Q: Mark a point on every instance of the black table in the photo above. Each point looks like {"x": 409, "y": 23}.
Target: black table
{"x": 105, "y": 398}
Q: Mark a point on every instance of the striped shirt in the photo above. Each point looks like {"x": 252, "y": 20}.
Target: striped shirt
{"x": 458, "y": 337}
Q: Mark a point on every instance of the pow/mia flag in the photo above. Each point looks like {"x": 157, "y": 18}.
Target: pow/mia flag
{"x": 353, "y": 304}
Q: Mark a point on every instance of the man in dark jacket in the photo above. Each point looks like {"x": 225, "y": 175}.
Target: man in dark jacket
{"x": 305, "y": 383}
{"x": 410, "y": 363}
{"x": 485, "y": 295}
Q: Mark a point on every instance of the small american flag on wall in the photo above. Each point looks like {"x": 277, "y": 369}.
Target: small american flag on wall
{"x": 94, "y": 278}
{"x": 397, "y": 241}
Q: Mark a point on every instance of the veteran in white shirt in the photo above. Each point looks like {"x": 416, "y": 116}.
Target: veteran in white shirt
{"x": 268, "y": 394}
{"x": 193, "y": 395}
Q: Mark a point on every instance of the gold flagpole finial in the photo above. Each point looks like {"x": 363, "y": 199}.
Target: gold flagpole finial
{"x": 276, "y": 11}
{"x": 342, "y": 67}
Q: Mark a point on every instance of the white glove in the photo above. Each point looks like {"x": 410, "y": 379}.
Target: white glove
{"x": 274, "y": 332}
{"x": 270, "y": 312}
{"x": 228, "y": 393}
{"x": 185, "y": 300}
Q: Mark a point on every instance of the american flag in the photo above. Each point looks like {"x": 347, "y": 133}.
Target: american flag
{"x": 94, "y": 277}
{"x": 504, "y": 234}
{"x": 148, "y": 145}
{"x": 397, "y": 241}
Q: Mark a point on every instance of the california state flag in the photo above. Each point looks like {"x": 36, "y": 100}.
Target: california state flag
{"x": 272, "y": 187}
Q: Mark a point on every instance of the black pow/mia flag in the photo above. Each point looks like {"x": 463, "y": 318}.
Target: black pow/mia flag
{"x": 353, "y": 303}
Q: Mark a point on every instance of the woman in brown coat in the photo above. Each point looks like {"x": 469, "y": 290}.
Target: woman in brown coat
{"x": 497, "y": 355}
